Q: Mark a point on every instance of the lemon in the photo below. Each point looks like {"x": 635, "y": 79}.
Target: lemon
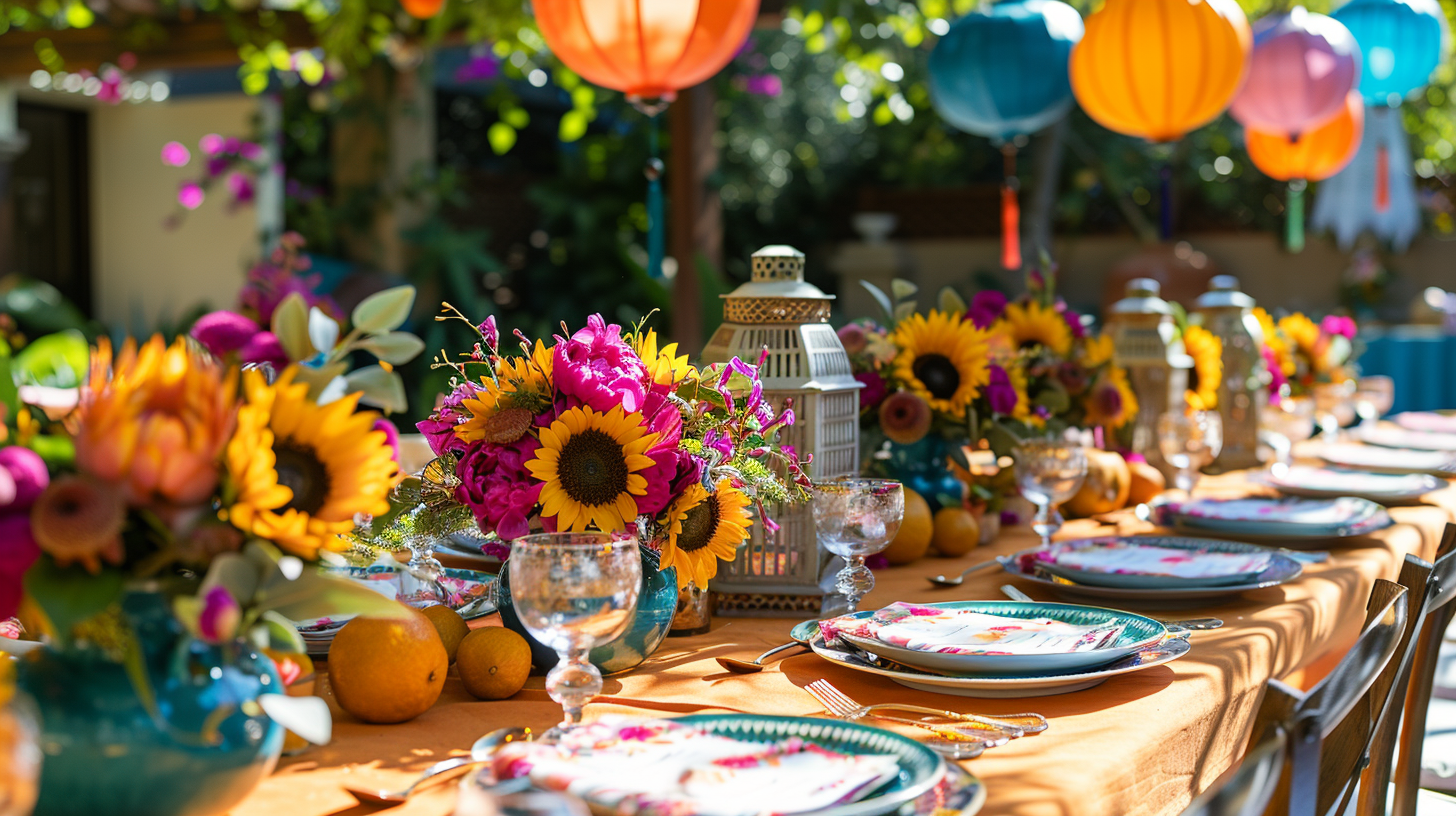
{"x": 450, "y": 625}
{"x": 956, "y": 532}
{"x": 913, "y": 539}
{"x": 387, "y": 670}
{"x": 493, "y": 662}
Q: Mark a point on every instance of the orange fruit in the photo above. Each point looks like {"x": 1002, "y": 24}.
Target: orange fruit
{"x": 388, "y": 670}
{"x": 956, "y": 532}
{"x": 493, "y": 662}
{"x": 450, "y": 625}
{"x": 913, "y": 540}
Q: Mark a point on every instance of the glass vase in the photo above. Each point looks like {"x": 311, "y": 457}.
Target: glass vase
{"x": 694, "y": 611}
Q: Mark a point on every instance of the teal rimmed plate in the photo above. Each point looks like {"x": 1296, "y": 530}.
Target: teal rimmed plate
{"x": 921, "y": 769}
{"x": 1138, "y": 633}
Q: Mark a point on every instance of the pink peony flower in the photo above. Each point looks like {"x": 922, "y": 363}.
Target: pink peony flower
{"x": 597, "y": 367}
{"x": 1339, "y": 324}
{"x": 496, "y": 486}
{"x": 986, "y": 308}
{"x": 1000, "y": 392}
{"x": 224, "y": 332}
{"x": 874, "y": 389}
{"x": 28, "y": 476}
{"x": 220, "y": 616}
{"x": 265, "y": 348}
{"x": 18, "y": 551}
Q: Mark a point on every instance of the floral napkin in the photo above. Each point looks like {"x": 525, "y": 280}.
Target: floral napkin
{"x": 1111, "y": 556}
{"x": 966, "y": 632}
{"x": 663, "y": 768}
{"x": 1427, "y": 421}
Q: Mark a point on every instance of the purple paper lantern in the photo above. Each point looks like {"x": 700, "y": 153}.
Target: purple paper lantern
{"x": 1302, "y": 68}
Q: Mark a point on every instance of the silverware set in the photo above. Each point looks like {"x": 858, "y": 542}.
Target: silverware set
{"x": 955, "y": 736}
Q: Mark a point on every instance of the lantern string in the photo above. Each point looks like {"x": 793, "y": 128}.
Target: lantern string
{"x": 1294, "y": 217}
{"x": 1010, "y": 211}
{"x": 656, "y": 224}
{"x": 1165, "y": 193}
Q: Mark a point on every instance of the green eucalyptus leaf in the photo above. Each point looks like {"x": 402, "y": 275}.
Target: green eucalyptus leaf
{"x": 904, "y": 309}
{"x": 71, "y": 595}
{"x": 882, "y": 299}
{"x": 290, "y": 325}
{"x": 319, "y": 378}
{"x": 951, "y": 302}
{"x": 395, "y": 347}
{"x": 377, "y": 387}
{"x": 58, "y": 360}
{"x": 1002, "y": 439}
{"x": 316, "y": 595}
{"x": 901, "y": 289}
{"x": 384, "y": 311}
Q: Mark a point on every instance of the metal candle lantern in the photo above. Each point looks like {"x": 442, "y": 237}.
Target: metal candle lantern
{"x": 1145, "y": 342}
{"x": 778, "y": 312}
{"x": 1229, "y": 314}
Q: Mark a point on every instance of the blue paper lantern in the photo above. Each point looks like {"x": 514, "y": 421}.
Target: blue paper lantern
{"x": 1003, "y": 73}
{"x": 1403, "y": 41}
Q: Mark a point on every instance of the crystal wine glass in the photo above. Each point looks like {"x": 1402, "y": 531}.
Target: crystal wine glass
{"x": 855, "y": 518}
{"x": 1049, "y": 471}
{"x": 1374, "y": 397}
{"x": 1329, "y": 399}
{"x": 573, "y": 591}
{"x": 1287, "y": 420}
{"x": 1188, "y": 441}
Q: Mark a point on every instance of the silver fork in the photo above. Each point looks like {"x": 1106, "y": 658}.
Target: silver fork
{"x": 1012, "y": 725}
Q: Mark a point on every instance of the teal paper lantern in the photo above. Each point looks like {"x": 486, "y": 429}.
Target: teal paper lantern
{"x": 1003, "y": 73}
{"x": 1403, "y": 42}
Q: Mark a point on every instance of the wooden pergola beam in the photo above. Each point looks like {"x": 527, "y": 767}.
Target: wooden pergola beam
{"x": 198, "y": 43}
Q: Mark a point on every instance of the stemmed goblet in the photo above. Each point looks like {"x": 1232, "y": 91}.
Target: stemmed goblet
{"x": 573, "y": 591}
{"x": 855, "y": 518}
{"x": 1374, "y": 396}
{"x": 1049, "y": 471}
{"x": 1188, "y": 441}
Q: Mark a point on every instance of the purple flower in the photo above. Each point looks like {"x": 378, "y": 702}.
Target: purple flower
{"x": 220, "y": 616}
{"x": 224, "y": 332}
{"x": 671, "y": 472}
{"x": 874, "y": 389}
{"x": 496, "y": 486}
{"x": 211, "y": 144}
{"x": 18, "y": 551}
{"x": 1000, "y": 392}
{"x": 265, "y": 348}
{"x": 439, "y": 429}
{"x": 481, "y": 67}
{"x": 1339, "y": 324}
{"x": 27, "y": 474}
{"x": 491, "y": 333}
{"x": 391, "y": 435}
{"x": 241, "y": 187}
{"x": 764, "y": 84}
{"x": 216, "y": 165}
{"x": 986, "y": 308}
{"x": 1074, "y": 320}
{"x": 190, "y": 195}
{"x": 175, "y": 154}
{"x": 596, "y": 366}
{"x": 252, "y": 151}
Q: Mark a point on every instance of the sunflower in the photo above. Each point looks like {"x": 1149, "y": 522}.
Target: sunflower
{"x": 591, "y": 464}
{"x": 702, "y": 529}
{"x": 1302, "y": 332}
{"x": 1098, "y": 350}
{"x": 943, "y": 358}
{"x": 1110, "y": 401}
{"x": 1206, "y": 349}
{"x": 299, "y": 472}
{"x": 1033, "y": 324}
{"x": 664, "y": 366}
{"x": 1023, "y": 411}
{"x": 521, "y": 384}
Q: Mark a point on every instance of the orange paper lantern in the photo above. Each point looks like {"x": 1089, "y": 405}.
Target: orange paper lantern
{"x": 1315, "y": 155}
{"x": 422, "y": 9}
{"x": 1160, "y": 68}
{"x": 645, "y": 48}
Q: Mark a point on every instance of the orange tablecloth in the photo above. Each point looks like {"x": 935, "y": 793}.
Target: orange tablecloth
{"x": 1143, "y": 743}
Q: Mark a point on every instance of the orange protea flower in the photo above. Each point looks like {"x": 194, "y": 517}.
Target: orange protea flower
{"x": 154, "y": 418}
{"x": 520, "y": 383}
{"x": 299, "y": 472}
{"x": 78, "y": 520}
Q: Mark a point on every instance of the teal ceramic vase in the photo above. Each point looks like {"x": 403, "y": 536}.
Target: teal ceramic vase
{"x": 922, "y": 467}
{"x": 656, "y": 606}
{"x": 202, "y": 746}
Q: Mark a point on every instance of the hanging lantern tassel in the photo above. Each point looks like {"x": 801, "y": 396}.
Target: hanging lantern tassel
{"x": 1382, "y": 179}
{"x": 1010, "y": 212}
{"x": 1294, "y": 223}
{"x": 656, "y": 225}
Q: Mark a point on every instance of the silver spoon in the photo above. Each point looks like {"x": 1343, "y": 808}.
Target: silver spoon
{"x": 755, "y": 665}
{"x": 941, "y": 580}
{"x": 483, "y": 749}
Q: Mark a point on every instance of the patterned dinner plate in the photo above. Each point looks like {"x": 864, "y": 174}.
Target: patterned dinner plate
{"x": 1038, "y": 684}
{"x": 1266, "y": 519}
{"x": 1384, "y": 488}
{"x": 1282, "y": 568}
{"x": 1129, "y": 633}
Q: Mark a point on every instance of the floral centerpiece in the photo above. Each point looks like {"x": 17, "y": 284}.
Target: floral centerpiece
{"x": 1302, "y": 354}
{"x": 606, "y": 429}
{"x": 172, "y": 550}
